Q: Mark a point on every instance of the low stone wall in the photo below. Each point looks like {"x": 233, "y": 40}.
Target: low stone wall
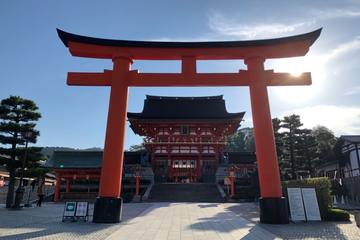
{"x": 49, "y": 190}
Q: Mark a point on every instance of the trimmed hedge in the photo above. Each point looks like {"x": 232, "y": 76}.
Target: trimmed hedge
{"x": 322, "y": 187}
{"x": 335, "y": 214}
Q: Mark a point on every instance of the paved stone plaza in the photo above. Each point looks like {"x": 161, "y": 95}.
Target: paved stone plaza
{"x": 167, "y": 221}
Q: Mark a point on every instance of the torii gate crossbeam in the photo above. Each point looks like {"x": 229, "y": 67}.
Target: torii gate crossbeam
{"x": 273, "y": 207}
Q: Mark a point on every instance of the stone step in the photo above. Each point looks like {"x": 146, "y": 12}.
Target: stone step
{"x": 187, "y": 192}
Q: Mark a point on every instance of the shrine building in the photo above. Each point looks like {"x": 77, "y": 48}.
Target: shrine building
{"x": 185, "y": 136}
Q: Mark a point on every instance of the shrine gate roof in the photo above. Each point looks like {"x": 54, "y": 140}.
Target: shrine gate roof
{"x": 79, "y": 159}
{"x": 183, "y": 108}
{"x": 292, "y": 46}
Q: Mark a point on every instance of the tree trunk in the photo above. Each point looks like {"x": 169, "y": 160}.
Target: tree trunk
{"x": 292, "y": 157}
{"x": 308, "y": 160}
{"x": 11, "y": 188}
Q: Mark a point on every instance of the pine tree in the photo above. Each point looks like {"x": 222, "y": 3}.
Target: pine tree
{"x": 18, "y": 118}
{"x": 279, "y": 141}
{"x": 292, "y": 125}
{"x": 307, "y": 152}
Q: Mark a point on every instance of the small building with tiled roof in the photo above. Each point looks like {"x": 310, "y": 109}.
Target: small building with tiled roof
{"x": 81, "y": 165}
{"x": 346, "y": 166}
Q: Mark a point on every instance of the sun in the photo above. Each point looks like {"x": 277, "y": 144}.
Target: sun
{"x": 296, "y": 66}
{"x": 295, "y": 73}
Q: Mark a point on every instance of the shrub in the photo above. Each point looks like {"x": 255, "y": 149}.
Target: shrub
{"x": 322, "y": 187}
{"x": 335, "y": 214}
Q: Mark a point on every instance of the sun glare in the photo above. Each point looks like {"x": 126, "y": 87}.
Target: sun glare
{"x": 295, "y": 74}
{"x": 297, "y": 66}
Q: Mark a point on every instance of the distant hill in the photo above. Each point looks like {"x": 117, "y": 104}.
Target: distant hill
{"x": 48, "y": 151}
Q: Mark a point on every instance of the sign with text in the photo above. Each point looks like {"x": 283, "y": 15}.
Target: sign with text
{"x": 82, "y": 209}
{"x": 69, "y": 210}
{"x": 311, "y": 204}
{"x": 296, "y": 205}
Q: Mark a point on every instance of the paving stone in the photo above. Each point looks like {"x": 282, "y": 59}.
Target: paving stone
{"x": 167, "y": 221}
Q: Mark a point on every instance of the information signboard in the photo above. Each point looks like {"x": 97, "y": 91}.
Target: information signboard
{"x": 311, "y": 204}
{"x": 69, "y": 211}
{"x": 296, "y": 205}
{"x": 82, "y": 209}
{"x": 75, "y": 211}
{"x": 70, "y": 208}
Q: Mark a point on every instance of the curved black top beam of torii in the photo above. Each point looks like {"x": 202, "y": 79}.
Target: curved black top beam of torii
{"x": 293, "y": 46}
{"x": 67, "y": 37}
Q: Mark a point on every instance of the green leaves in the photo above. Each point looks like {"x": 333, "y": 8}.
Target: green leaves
{"x": 17, "y": 109}
{"x": 18, "y": 118}
{"x": 241, "y": 141}
{"x": 297, "y": 147}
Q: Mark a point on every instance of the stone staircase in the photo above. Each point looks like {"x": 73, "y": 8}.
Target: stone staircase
{"x": 185, "y": 192}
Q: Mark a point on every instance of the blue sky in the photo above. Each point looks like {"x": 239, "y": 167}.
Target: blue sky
{"x": 34, "y": 62}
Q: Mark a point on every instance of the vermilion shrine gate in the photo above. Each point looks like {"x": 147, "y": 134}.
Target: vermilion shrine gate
{"x": 273, "y": 207}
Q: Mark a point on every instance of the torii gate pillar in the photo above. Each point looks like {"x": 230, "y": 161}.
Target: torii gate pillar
{"x": 108, "y": 206}
{"x": 273, "y": 207}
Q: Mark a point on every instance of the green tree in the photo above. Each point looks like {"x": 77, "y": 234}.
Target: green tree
{"x": 18, "y": 117}
{"x": 326, "y": 141}
{"x": 241, "y": 141}
{"x": 291, "y": 125}
{"x": 279, "y": 141}
{"x": 137, "y": 147}
{"x": 307, "y": 151}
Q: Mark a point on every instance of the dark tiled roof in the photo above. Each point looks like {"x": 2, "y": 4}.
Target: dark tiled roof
{"x": 157, "y": 107}
{"x": 70, "y": 37}
{"x": 240, "y": 157}
{"x": 85, "y": 159}
{"x": 351, "y": 138}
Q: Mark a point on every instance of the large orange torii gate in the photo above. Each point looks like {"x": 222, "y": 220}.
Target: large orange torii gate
{"x": 273, "y": 207}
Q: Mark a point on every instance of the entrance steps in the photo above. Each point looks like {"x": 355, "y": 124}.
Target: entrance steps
{"x": 185, "y": 192}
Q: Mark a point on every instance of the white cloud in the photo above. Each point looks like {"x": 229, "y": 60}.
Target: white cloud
{"x": 340, "y": 119}
{"x": 353, "y": 91}
{"x": 336, "y": 13}
{"x": 225, "y": 26}
{"x": 343, "y": 49}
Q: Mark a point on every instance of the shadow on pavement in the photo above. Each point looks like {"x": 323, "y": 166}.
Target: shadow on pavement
{"x": 46, "y": 222}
